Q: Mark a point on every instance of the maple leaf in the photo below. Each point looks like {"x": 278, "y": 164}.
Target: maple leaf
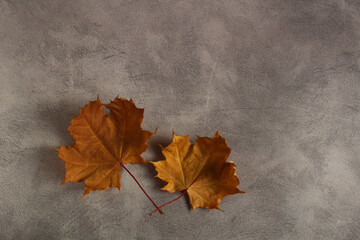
{"x": 103, "y": 143}
{"x": 200, "y": 170}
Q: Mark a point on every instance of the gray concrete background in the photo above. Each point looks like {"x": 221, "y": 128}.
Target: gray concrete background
{"x": 279, "y": 79}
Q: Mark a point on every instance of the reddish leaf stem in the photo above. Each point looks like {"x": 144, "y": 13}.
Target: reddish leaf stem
{"x": 159, "y": 208}
{"x": 162, "y": 213}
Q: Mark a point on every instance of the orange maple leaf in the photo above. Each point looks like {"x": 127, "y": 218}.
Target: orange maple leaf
{"x": 103, "y": 143}
{"x": 199, "y": 169}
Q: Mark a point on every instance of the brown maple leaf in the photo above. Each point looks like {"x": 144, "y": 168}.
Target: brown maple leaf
{"x": 103, "y": 143}
{"x": 199, "y": 169}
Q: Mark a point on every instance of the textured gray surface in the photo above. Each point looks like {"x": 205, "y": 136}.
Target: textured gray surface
{"x": 279, "y": 79}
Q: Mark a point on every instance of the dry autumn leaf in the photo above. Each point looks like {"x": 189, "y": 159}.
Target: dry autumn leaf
{"x": 200, "y": 170}
{"x": 103, "y": 143}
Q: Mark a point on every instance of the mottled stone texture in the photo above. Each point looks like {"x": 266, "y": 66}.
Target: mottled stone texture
{"x": 280, "y": 79}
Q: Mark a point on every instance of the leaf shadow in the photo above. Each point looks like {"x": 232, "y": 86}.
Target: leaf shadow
{"x": 154, "y": 154}
{"x": 58, "y": 117}
{"x": 50, "y": 172}
{"x": 154, "y": 147}
{"x": 188, "y": 206}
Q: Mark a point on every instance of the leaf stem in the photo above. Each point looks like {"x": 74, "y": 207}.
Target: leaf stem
{"x": 162, "y": 213}
{"x": 159, "y": 208}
